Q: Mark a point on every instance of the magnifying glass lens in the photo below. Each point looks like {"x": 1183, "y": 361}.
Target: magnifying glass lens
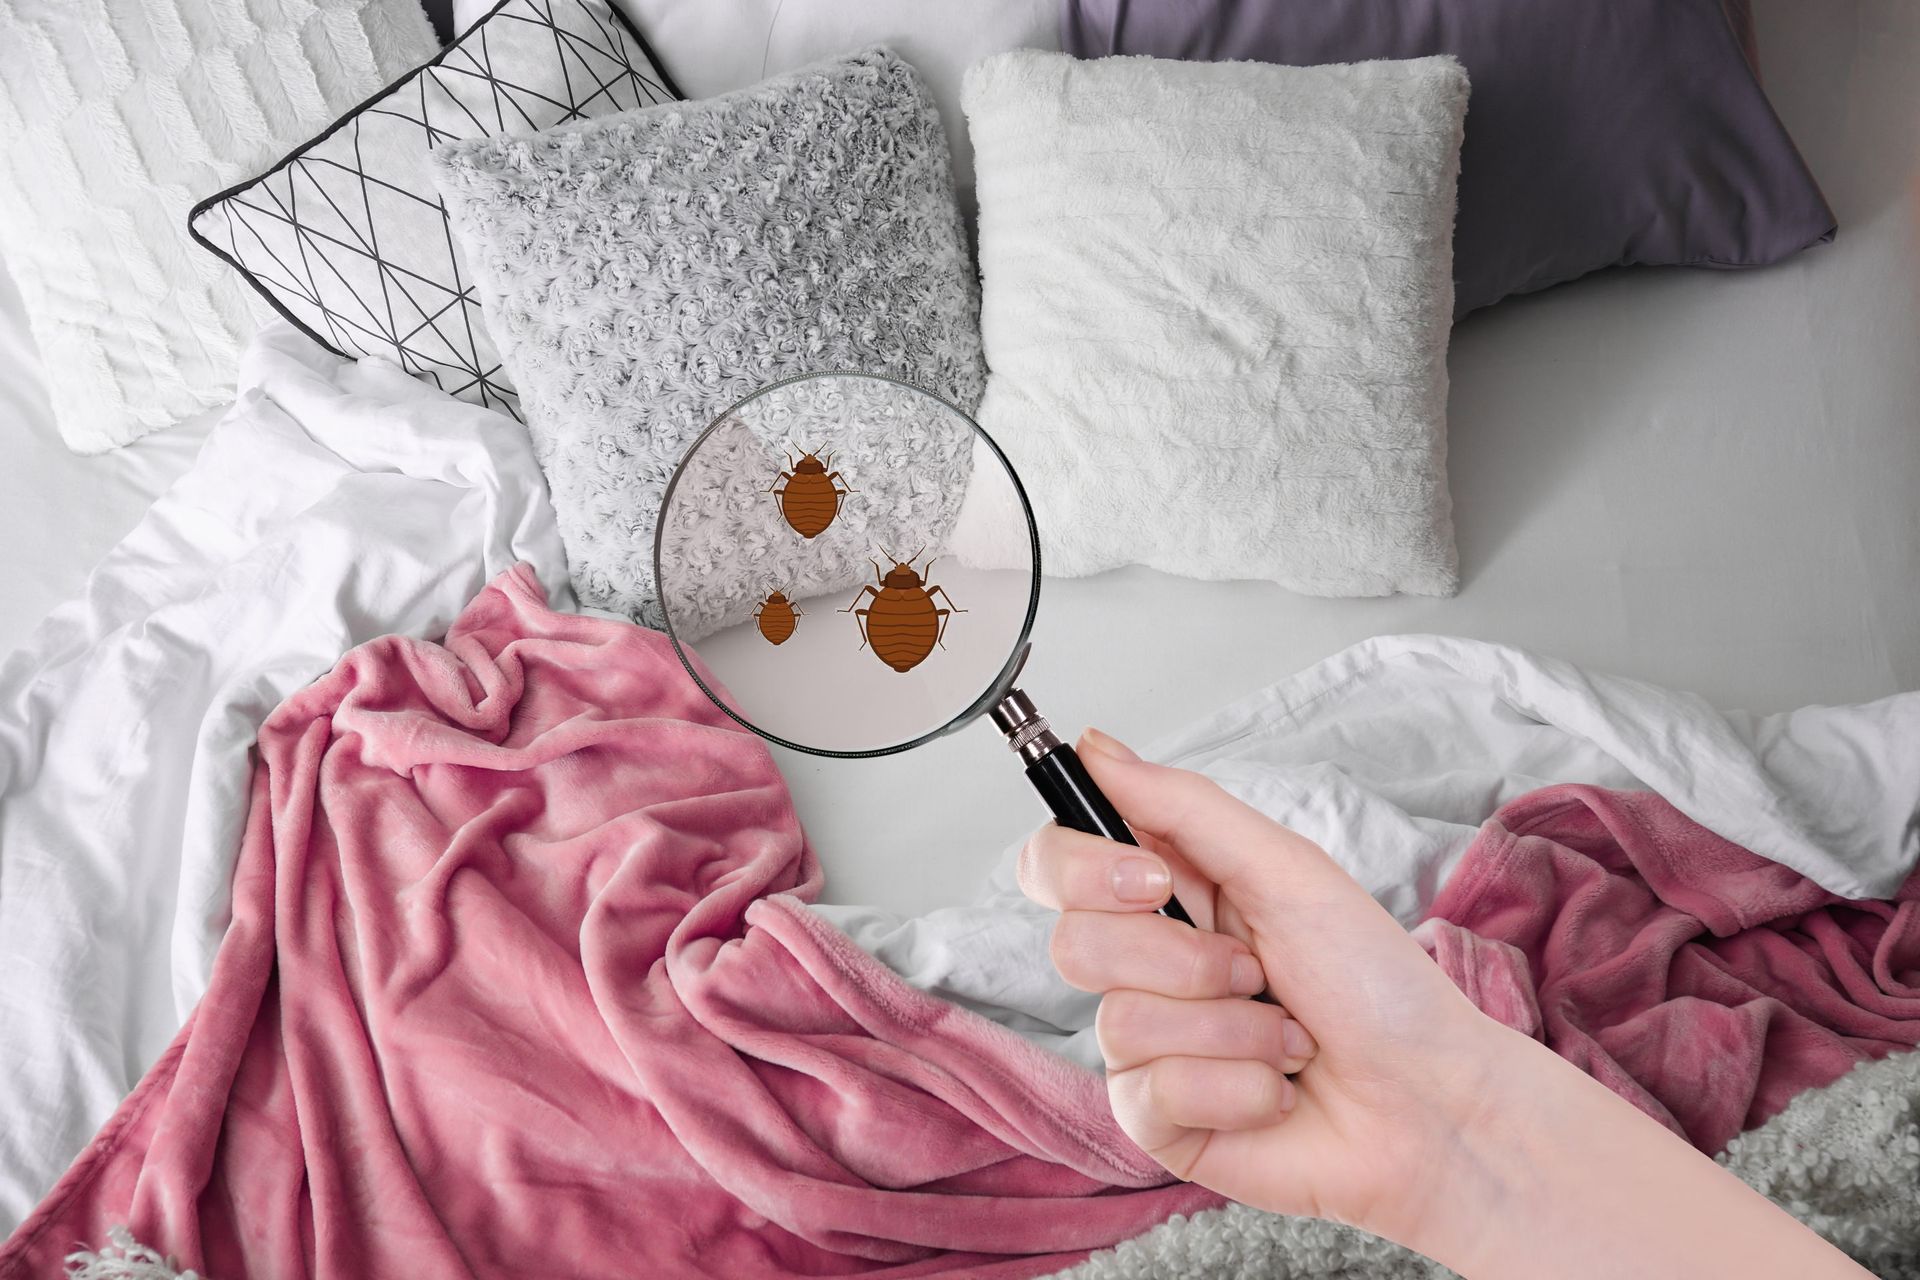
{"x": 804, "y": 567}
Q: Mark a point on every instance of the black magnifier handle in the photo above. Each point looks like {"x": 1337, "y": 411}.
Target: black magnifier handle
{"x": 1062, "y": 780}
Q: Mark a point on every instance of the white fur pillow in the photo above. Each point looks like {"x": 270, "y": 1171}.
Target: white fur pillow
{"x": 1216, "y": 305}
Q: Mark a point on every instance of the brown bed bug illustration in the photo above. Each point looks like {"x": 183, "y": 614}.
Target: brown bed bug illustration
{"x": 776, "y": 616}
{"x": 902, "y": 624}
{"x": 809, "y": 494}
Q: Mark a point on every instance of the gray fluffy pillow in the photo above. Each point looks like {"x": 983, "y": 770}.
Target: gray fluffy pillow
{"x": 642, "y": 272}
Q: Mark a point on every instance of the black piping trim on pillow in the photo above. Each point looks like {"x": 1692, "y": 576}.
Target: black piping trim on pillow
{"x": 619, "y": 16}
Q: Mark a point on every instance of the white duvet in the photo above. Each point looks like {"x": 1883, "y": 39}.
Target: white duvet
{"x": 1391, "y": 754}
{"x": 336, "y": 502}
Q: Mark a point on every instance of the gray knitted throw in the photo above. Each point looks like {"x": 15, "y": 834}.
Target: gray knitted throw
{"x": 1845, "y": 1160}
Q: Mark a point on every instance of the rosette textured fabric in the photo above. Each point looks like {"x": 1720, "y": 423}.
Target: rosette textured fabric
{"x": 643, "y": 272}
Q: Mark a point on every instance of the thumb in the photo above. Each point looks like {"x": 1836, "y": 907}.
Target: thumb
{"x": 1225, "y": 839}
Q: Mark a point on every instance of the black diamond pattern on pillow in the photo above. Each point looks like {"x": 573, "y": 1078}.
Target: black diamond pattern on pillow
{"x": 347, "y": 238}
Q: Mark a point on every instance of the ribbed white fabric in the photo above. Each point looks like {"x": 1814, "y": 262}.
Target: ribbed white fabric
{"x": 115, "y": 116}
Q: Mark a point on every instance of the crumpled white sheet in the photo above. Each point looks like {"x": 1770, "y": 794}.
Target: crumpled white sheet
{"x": 1390, "y": 755}
{"x": 334, "y": 503}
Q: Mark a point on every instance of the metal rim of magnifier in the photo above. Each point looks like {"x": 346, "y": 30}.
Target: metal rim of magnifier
{"x": 995, "y": 690}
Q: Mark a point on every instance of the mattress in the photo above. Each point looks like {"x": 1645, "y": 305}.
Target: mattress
{"x": 1705, "y": 480}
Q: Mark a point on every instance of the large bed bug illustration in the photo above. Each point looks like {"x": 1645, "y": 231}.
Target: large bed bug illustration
{"x": 902, "y": 624}
{"x": 776, "y": 616}
{"x": 810, "y": 494}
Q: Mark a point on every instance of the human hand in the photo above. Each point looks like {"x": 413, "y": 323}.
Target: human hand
{"x": 1370, "y": 1091}
{"x": 1384, "y": 1052}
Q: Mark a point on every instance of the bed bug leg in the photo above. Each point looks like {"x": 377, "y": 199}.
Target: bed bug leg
{"x": 943, "y": 614}
{"x": 860, "y": 615}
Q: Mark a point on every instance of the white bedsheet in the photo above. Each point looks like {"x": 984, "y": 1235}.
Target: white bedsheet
{"x": 1701, "y": 479}
{"x": 60, "y": 512}
{"x": 335, "y": 503}
{"x": 1391, "y": 755}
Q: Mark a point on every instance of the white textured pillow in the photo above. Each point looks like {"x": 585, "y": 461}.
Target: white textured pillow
{"x": 717, "y": 46}
{"x": 1216, "y": 304}
{"x": 643, "y": 272}
{"x": 115, "y": 116}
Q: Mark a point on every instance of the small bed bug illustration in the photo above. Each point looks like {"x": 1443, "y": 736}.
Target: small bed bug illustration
{"x": 809, "y": 496}
{"x": 902, "y": 624}
{"x": 776, "y": 616}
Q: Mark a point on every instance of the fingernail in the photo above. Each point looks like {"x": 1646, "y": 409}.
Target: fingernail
{"x": 1107, "y": 745}
{"x": 1140, "y": 880}
{"x": 1295, "y": 1040}
{"x": 1248, "y": 978}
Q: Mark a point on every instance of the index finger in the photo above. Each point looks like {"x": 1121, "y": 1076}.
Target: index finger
{"x": 1225, "y": 839}
{"x": 1072, "y": 871}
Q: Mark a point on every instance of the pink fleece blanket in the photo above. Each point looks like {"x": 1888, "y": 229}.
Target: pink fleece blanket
{"x": 1700, "y": 981}
{"x": 518, "y": 983}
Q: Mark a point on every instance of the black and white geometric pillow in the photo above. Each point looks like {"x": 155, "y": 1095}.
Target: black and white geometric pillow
{"x": 346, "y": 236}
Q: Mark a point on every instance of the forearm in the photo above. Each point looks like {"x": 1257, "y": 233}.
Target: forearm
{"x": 1555, "y": 1175}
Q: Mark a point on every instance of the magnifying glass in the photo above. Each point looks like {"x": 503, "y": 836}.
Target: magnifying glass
{"x": 803, "y": 564}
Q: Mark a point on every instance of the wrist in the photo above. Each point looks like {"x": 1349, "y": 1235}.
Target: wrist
{"x": 1548, "y": 1172}
{"x": 1494, "y": 1107}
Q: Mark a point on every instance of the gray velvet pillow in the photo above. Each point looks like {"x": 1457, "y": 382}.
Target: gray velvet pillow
{"x": 642, "y": 272}
{"x": 1630, "y": 132}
